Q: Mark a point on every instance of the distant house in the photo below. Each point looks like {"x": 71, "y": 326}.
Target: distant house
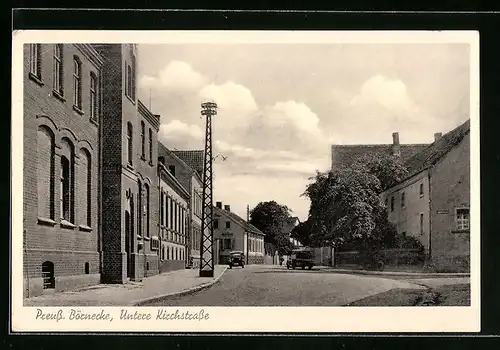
{"x": 345, "y": 155}
{"x": 231, "y": 232}
{"x": 433, "y": 202}
{"x": 193, "y": 158}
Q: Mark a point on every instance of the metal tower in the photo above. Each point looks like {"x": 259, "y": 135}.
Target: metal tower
{"x": 208, "y": 109}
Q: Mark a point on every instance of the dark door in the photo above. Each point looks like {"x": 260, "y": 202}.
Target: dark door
{"x": 128, "y": 225}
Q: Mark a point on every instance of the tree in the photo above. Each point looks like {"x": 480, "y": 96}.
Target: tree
{"x": 346, "y": 206}
{"x": 272, "y": 219}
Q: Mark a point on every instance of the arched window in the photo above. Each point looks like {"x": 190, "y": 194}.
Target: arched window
{"x": 129, "y": 81}
{"x": 45, "y": 172}
{"x": 129, "y": 142}
{"x": 77, "y": 82}
{"x": 143, "y": 140}
{"x": 58, "y": 71}
{"x": 132, "y": 80}
{"x": 85, "y": 188}
{"x": 150, "y": 146}
{"x": 67, "y": 180}
{"x": 146, "y": 199}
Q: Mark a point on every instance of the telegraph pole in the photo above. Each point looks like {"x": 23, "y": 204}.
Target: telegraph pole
{"x": 208, "y": 109}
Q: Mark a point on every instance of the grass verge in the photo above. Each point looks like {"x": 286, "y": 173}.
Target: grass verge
{"x": 451, "y": 295}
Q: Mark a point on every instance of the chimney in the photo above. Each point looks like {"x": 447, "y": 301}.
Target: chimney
{"x": 218, "y": 205}
{"x": 227, "y": 208}
{"x": 437, "y": 136}
{"x": 396, "y": 149}
{"x": 161, "y": 160}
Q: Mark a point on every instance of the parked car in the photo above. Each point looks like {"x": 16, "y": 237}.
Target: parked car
{"x": 236, "y": 258}
{"x": 300, "y": 258}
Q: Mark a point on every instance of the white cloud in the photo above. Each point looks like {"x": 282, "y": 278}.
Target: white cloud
{"x": 181, "y": 135}
{"x": 177, "y": 75}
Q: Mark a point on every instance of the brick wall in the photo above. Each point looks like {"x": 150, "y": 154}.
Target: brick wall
{"x": 68, "y": 248}
{"x": 450, "y": 180}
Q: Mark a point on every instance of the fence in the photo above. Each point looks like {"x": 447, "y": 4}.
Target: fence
{"x": 381, "y": 258}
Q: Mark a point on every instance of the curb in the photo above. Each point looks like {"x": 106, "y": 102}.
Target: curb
{"x": 397, "y": 273}
{"x": 141, "y": 302}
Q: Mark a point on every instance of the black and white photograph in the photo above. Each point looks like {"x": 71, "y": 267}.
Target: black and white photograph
{"x": 299, "y": 177}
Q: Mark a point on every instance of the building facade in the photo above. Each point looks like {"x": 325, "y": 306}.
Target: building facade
{"x": 231, "y": 233}
{"x": 190, "y": 180}
{"x": 174, "y": 219}
{"x": 129, "y": 173}
{"x": 62, "y": 118}
{"x": 433, "y": 203}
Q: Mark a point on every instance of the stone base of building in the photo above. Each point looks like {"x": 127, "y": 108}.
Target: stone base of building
{"x": 171, "y": 265}
{"x": 444, "y": 263}
{"x": 34, "y": 286}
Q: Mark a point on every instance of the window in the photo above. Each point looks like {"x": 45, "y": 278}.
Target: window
{"x": 132, "y": 78}
{"x": 421, "y": 190}
{"x": 129, "y": 142}
{"x": 228, "y": 224}
{"x": 143, "y": 140}
{"x": 171, "y": 168}
{"x": 36, "y": 60}
{"x": 171, "y": 224}
{"x": 146, "y": 193}
{"x": 216, "y": 223}
{"x": 167, "y": 207}
{"x": 402, "y": 200}
{"x": 77, "y": 83}
{"x": 87, "y": 268}
{"x": 151, "y": 147}
{"x": 94, "y": 106}
{"x": 463, "y": 218}
{"x": 162, "y": 209}
{"x": 168, "y": 253}
{"x": 45, "y": 172}
{"x": 86, "y": 188}
{"x": 227, "y": 243}
{"x": 421, "y": 224}
{"x": 67, "y": 181}
{"x": 129, "y": 81}
{"x": 58, "y": 73}
{"x": 392, "y": 203}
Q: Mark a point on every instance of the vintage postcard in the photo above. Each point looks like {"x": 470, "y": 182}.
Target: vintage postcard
{"x": 245, "y": 181}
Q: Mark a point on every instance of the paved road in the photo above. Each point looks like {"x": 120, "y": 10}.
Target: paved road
{"x": 276, "y": 286}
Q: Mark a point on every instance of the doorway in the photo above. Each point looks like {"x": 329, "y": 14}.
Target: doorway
{"x": 49, "y": 281}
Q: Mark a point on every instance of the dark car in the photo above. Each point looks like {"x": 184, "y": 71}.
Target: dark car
{"x": 300, "y": 258}
{"x": 236, "y": 258}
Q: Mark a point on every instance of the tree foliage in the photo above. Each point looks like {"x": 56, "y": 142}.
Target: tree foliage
{"x": 346, "y": 204}
{"x": 272, "y": 219}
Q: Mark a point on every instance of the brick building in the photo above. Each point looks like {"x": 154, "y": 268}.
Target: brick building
{"x": 190, "y": 179}
{"x": 174, "y": 219}
{"x": 62, "y": 115}
{"x": 129, "y": 171}
{"x": 231, "y": 232}
{"x": 433, "y": 202}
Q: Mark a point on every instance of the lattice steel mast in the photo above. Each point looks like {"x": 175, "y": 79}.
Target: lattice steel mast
{"x": 208, "y": 109}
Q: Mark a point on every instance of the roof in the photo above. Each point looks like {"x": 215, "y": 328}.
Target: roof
{"x": 193, "y": 158}
{"x": 241, "y": 222}
{"x": 433, "y": 153}
{"x": 345, "y": 155}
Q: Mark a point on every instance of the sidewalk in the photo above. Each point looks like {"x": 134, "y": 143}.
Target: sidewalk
{"x": 397, "y": 273}
{"x": 133, "y": 293}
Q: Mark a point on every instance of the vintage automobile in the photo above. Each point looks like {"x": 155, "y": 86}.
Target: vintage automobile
{"x": 300, "y": 258}
{"x": 236, "y": 258}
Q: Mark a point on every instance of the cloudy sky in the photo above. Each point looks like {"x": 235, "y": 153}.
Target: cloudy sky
{"x": 281, "y": 106}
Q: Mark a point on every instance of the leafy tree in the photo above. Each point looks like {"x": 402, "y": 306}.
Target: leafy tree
{"x": 346, "y": 208}
{"x": 272, "y": 219}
